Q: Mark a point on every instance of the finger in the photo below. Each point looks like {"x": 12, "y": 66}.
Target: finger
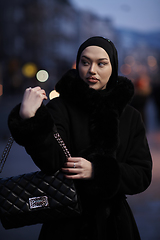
{"x": 36, "y": 88}
{"x": 73, "y": 159}
{"x": 44, "y": 94}
{"x": 38, "y": 92}
{"x": 77, "y": 176}
{"x": 41, "y": 91}
{"x": 71, "y": 171}
{"x": 33, "y": 89}
{"x": 71, "y": 165}
{"x": 28, "y": 89}
{"x": 45, "y": 97}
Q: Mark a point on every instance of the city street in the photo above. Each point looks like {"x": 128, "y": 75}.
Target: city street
{"x": 145, "y": 206}
{"x": 39, "y": 42}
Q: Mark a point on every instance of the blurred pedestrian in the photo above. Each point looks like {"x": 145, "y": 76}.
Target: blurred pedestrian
{"x": 142, "y": 93}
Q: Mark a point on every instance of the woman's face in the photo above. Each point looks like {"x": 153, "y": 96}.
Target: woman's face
{"x": 95, "y": 67}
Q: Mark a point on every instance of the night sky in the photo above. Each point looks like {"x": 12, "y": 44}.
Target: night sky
{"x": 141, "y": 15}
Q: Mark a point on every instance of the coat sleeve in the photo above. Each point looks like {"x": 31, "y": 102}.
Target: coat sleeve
{"x": 134, "y": 156}
{"x": 36, "y": 135}
{"x": 128, "y": 173}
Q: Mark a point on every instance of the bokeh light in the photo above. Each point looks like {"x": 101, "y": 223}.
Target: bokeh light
{"x": 129, "y": 60}
{"x": 125, "y": 69}
{"x": 53, "y": 94}
{"x": 42, "y": 75}
{"x": 29, "y": 70}
{"x": 1, "y": 89}
{"x": 74, "y": 65}
{"x": 152, "y": 62}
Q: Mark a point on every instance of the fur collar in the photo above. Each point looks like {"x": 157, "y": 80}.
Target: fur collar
{"x": 104, "y": 108}
{"x": 77, "y": 92}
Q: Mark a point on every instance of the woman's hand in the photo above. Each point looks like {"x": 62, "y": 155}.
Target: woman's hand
{"x": 77, "y": 168}
{"x": 32, "y": 100}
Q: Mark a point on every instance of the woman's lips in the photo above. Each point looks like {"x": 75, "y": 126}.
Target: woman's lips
{"x": 92, "y": 80}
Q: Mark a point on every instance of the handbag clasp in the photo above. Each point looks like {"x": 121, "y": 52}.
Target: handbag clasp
{"x": 38, "y": 202}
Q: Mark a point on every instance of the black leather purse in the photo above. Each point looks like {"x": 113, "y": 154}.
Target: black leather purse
{"x": 35, "y": 197}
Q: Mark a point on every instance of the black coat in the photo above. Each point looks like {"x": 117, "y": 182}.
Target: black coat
{"x": 101, "y": 127}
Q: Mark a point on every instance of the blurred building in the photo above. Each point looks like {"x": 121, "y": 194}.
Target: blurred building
{"x": 46, "y": 33}
{"x": 141, "y": 52}
{"x": 40, "y": 34}
{"x": 140, "y": 57}
{"x": 91, "y": 25}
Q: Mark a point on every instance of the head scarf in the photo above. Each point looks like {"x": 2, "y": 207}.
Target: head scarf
{"x": 109, "y": 47}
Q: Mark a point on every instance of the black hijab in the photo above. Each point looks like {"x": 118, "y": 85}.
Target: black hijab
{"x": 109, "y": 47}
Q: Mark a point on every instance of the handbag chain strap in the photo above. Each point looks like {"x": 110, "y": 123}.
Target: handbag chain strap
{"x": 11, "y": 140}
{"x": 6, "y": 152}
{"x": 62, "y": 144}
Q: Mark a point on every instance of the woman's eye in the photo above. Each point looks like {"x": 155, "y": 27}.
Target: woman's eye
{"x": 101, "y": 64}
{"x": 85, "y": 63}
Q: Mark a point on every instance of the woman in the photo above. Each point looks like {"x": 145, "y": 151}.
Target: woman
{"x": 106, "y": 138}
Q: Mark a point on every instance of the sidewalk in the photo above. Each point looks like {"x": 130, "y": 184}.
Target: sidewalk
{"x": 146, "y": 206}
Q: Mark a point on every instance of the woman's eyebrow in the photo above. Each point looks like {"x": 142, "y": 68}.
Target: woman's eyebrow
{"x": 85, "y": 57}
{"x": 103, "y": 59}
{"x": 100, "y": 59}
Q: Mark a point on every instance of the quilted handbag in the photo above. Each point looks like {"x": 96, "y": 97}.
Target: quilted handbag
{"x": 35, "y": 197}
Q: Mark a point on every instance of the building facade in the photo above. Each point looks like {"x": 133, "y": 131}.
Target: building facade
{"x": 47, "y": 33}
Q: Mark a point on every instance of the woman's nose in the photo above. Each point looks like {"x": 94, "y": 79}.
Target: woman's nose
{"x": 92, "y": 69}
